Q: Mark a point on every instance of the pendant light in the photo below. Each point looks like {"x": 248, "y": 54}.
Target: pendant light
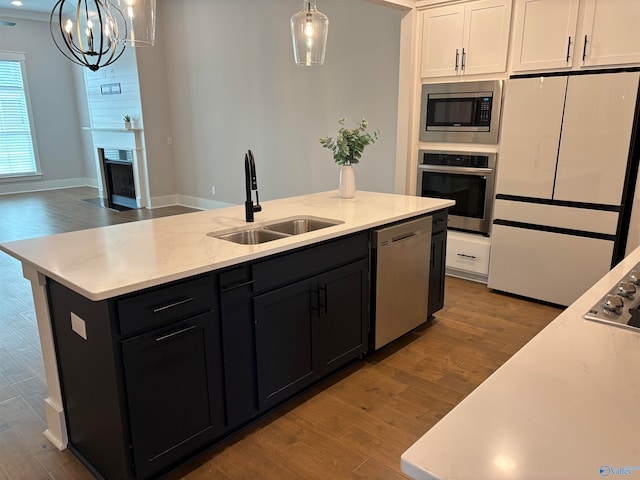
{"x": 140, "y": 17}
{"x": 309, "y": 34}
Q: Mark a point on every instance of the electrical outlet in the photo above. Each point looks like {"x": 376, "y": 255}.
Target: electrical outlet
{"x": 213, "y": 190}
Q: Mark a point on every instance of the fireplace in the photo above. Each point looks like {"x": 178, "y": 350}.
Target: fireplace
{"x": 120, "y": 189}
{"x": 121, "y": 165}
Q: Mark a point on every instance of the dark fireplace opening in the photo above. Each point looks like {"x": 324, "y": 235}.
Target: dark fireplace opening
{"x": 120, "y": 189}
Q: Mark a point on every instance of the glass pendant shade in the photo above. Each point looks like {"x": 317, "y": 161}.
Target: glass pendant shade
{"x": 309, "y": 29}
{"x": 140, "y": 17}
{"x": 88, "y": 32}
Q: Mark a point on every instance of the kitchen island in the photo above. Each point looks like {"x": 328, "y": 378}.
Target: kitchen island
{"x": 566, "y": 406}
{"x": 110, "y": 301}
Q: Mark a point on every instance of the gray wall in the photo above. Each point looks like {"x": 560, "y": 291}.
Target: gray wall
{"x": 231, "y": 84}
{"x": 55, "y": 106}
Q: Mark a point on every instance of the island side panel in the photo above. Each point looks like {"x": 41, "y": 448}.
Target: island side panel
{"x": 56, "y": 431}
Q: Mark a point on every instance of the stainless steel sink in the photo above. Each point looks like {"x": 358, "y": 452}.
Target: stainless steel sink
{"x": 274, "y": 231}
{"x": 300, "y": 225}
{"x": 250, "y": 237}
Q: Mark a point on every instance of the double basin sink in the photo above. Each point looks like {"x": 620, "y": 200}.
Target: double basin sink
{"x": 275, "y": 230}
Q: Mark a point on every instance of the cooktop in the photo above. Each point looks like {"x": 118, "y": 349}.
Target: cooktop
{"x": 620, "y": 306}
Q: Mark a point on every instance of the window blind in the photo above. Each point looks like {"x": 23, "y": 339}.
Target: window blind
{"x": 16, "y": 146}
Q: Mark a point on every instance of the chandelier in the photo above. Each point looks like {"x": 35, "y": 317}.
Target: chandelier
{"x": 94, "y": 33}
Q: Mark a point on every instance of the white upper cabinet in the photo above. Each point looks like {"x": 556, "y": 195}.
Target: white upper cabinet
{"x": 469, "y": 38}
{"x": 611, "y": 32}
{"x": 544, "y": 34}
{"x": 547, "y": 34}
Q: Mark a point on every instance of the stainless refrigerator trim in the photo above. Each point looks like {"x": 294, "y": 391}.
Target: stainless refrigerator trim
{"x": 402, "y": 255}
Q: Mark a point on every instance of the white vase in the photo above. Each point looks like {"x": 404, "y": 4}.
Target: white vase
{"x": 347, "y": 187}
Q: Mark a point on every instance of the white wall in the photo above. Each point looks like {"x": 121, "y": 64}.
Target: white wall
{"x": 52, "y": 87}
{"x": 232, "y": 85}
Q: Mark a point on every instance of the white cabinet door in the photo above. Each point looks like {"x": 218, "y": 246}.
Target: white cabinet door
{"x": 442, "y": 41}
{"x": 547, "y": 266}
{"x": 611, "y": 31}
{"x": 596, "y": 132}
{"x": 486, "y": 37}
{"x": 469, "y": 38}
{"x": 544, "y": 34}
{"x": 531, "y": 123}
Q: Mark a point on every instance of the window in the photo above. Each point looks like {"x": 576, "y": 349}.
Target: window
{"x": 17, "y": 149}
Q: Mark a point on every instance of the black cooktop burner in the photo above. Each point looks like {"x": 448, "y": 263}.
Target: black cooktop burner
{"x": 621, "y": 305}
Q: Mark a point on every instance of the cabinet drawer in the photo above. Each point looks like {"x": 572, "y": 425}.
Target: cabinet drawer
{"x": 302, "y": 264}
{"x": 468, "y": 255}
{"x": 157, "y": 307}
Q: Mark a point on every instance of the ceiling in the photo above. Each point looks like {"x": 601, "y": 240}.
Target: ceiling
{"x": 40, "y": 6}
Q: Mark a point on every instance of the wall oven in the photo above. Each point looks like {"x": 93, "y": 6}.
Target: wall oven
{"x": 466, "y": 177}
{"x": 463, "y": 112}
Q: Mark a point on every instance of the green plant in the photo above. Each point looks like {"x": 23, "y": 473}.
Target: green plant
{"x": 348, "y": 145}
{"x": 127, "y": 118}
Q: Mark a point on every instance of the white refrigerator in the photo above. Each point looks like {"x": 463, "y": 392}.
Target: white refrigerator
{"x": 564, "y": 185}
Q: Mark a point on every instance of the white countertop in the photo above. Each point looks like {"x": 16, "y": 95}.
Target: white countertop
{"x": 105, "y": 262}
{"x": 563, "y": 407}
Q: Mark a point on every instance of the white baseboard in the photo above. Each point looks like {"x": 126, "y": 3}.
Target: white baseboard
{"x": 201, "y": 203}
{"x": 38, "y": 185}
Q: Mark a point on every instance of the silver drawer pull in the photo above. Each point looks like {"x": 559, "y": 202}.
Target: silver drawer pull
{"x": 171, "y": 305}
{"x": 164, "y": 337}
{"x": 470, "y": 257}
{"x": 237, "y": 285}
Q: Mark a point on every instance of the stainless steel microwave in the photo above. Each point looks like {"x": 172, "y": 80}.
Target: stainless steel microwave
{"x": 463, "y": 112}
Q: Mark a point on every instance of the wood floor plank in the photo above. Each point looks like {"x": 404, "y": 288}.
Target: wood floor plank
{"x": 17, "y": 460}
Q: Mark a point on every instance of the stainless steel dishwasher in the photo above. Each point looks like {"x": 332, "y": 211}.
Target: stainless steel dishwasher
{"x": 401, "y": 261}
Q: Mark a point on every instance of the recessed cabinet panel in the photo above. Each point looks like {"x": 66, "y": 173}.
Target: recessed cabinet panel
{"x": 284, "y": 355}
{"x": 596, "y": 132}
{"x": 530, "y": 136}
{"x": 545, "y": 34}
{"x": 441, "y": 41}
{"x": 611, "y": 31}
{"x": 486, "y": 37}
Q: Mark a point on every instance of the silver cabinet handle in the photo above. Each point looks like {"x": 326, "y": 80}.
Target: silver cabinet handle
{"x": 584, "y": 49}
{"x": 457, "y": 56}
{"x": 568, "y": 49}
{"x": 470, "y": 257}
{"x": 172, "y": 305}
{"x": 464, "y": 55}
{"x": 235, "y": 286}
{"x": 184, "y": 330}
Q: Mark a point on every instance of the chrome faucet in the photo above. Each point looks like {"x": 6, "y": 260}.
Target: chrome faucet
{"x": 250, "y": 184}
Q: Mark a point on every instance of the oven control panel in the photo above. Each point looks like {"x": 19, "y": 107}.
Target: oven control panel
{"x": 456, "y": 159}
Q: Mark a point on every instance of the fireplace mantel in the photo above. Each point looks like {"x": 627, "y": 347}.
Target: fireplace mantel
{"x": 123, "y": 139}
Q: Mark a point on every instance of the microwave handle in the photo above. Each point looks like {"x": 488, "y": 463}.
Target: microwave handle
{"x": 480, "y": 172}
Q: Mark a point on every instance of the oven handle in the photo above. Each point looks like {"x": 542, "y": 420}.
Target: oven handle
{"x": 446, "y": 169}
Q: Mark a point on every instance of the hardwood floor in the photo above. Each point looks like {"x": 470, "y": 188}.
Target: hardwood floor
{"x": 353, "y": 426}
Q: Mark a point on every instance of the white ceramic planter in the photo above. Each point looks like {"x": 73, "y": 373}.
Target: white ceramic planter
{"x": 347, "y": 187}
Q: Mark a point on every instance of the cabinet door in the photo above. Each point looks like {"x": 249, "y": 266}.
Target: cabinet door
{"x": 341, "y": 330}
{"x": 611, "y": 32}
{"x": 486, "y": 36}
{"x": 545, "y": 34}
{"x": 174, "y": 390}
{"x": 284, "y": 354}
{"x": 530, "y": 136}
{"x": 596, "y": 133}
{"x": 436, "y": 272}
{"x": 442, "y": 41}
